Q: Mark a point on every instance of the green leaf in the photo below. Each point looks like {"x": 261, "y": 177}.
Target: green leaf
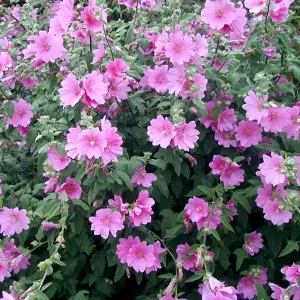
{"x": 283, "y": 37}
{"x": 128, "y": 38}
{"x": 261, "y": 293}
{"x": 290, "y": 247}
{"x": 167, "y": 276}
{"x": 9, "y": 108}
{"x": 81, "y": 295}
{"x": 172, "y": 233}
{"x": 241, "y": 254}
{"x": 125, "y": 178}
{"x": 39, "y": 295}
{"x": 162, "y": 186}
{"x": 81, "y": 203}
{"x": 239, "y": 159}
{"x": 120, "y": 271}
{"x": 81, "y": 172}
{"x": 98, "y": 263}
{"x": 225, "y": 222}
{"x": 201, "y": 107}
{"x": 196, "y": 276}
{"x": 206, "y": 190}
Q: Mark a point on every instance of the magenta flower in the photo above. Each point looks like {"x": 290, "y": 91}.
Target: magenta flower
{"x": 232, "y": 175}
{"x": 6, "y": 62}
{"x": 22, "y": 114}
{"x": 226, "y": 120}
{"x": 157, "y": 251}
{"x": 275, "y": 212}
{"x": 141, "y": 256}
{"x": 98, "y": 53}
{"x": 158, "y": 78}
{"x": 271, "y": 169}
{"x": 13, "y": 220}
{"x": 71, "y": 187}
{"x": 161, "y": 131}
{"x": 50, "y": 184}
{"x": 276, "y": 120}
{"x": 196, "y": 208}
{"x": 142, "y": 209}
{"x": 48, "y": 225}
{"x": 91, "y": 20}
{"x": 292, "y": 273}
{"x": 4, "y": 271}
{"x": 95, "y": 87}
{"x": 117, "y": 89}
{"x": 124, "y": 246}
{"x": 176, "y": 79}
{"x": 57, "y": 160}
{"x": 180, "y": 48}
{"x": 187, "y": 258}
{"x": 72, "y": 147}
{"x": 218, "y": 164}
{"x": 141, "y": 177}
{"x": 218, "y": 13}
{"x": 118, "y": 203}
{"x": 113, "y": 148}
{"x": 246, "y": 287}
{"x": 253, "y": 243}
{"x": 116, "y": 69}
{"x": 91, "y": 143}
{"x": 186, "y": 135}
{"x": 248, "y": 133}
{"x": 106, "y": 221}
{"x": 226, "y": 138}
{"x": 277, "y": 291}
{"x": 48, "y": 46}
{"x": 254, "y": 107}
{"x": 279, "y": 13}
{"x": 255, "y": 6}
{"x": 212, "y": 220}
{"x": 70, "y": 92}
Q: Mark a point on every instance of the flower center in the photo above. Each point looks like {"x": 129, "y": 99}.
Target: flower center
{"x": 14, "y": 217}
{"x": 273, "y": 115}
{"x": 199, "y": 208}
{"x": 92, "y": 141}
{"x": 219, "y": 13}
{"x": 47, "y": 47}
{"x": 107, "y": 220}
{"x": 69, "y": 188}
{"x": 165, "y": 132}
{"x": 140, "y": 254}
{"x": 20, "y": 112}
{"x": 248, "y": 132}
{"x": 160, "y": 79}
{"x": 177, "y": 48}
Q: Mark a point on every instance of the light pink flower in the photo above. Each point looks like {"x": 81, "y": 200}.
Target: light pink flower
{"x": 157, "y": 251}
{"x": 248, "y": 133}
{"x": 118, "y": 203}
{"x": 186, "y": 135}
{"x": 254, "y": 107}
{"x": 57, "y": 160}
{"x": 201, "y": 46}
{"x": 116, "y": 69}
{"x": 187, "y": 258}
{"x": 91, "y": 20}
{"x": 253, "y": 243}
{"x": 226, "y": 120}
{"x": 141, "y": 256}
{"x": 98, "y": 53}
{"x": 271, "y": 169}
{"x": 158, "y": 78}
{"x": 196, "y": 208}
{"x": 194, "y": 87}
{"x": 48, "y": 46}
{"x": 6, "y": 62}
{"x": 275, "y": 212}
{"x": 112, "y": 149}
{"x": 142, "y": 209}
{"x": 218, "y": 13}
{"x": 246, "y": 287}
{"x": 212, "y": 220}
{"x": 124, "y": 246}
{"x": 117, "y": 89}
{"x": 95, "y": 87}
{"x": 266, "y": 194}
{"x": 277, "y": 291}
{"x": 226, "y": 138}
{"x": 180, "y": 48}
{"x": 232, "y": 175}
{"x": 71, "y": 187}
{"x": 255, "y": 6}
{"x": 176, "y": 80}
{"x": 4, "y": 271}
{"x": 91, "y": 143}
{"x": 292, "y": 272}
{"x": 106, "y": 221}
{"x": 22, "y": 114}
{"x": 13, "y": 220}
{"x": 276, "y": 120}
{"x": 72, "y": 146}
{"x": 5, "y": 295}
{"x": 161, "y": 131}
{"x": 279, "y": 13}
{"x": 293, "y": 127}
{"x": 218, "y": 164}
{"x": 70, "y": 92}
{"x": 141, "y": 177}
{"x": 50, "y": 184}
{"x": 65, "y": 13}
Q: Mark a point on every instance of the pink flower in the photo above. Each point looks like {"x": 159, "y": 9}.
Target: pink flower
{"x": 271, "y": 169}
{"x": 112, "y": 149}
{"x": 232, "y": 175}
{"x": 71, "y": 187}
{"x": 292, "y": 273}
{"x": 116, "y": 69}
{"x": 22, "y": 114}
{"x": 117, "y": 89}
{"x": 72, "y": 146}
{"x": 50, "y": 184}
{"x": 254, "y": 107}
{"x": 161, "y": 131}
{"x": 180, "y": 48}
{"x": 157, "y": 251}
{"x": 248, "y": 133}
{"x": 218, "y": 164}
{"x": 293, "y": 127}
{"x": 141, "y": 177}
{"x": 226, "y": 119}
{"x": 142, "y": 209}
{"x": 230, "y": 205}
{"x": 48, "y": 225}
{"x": 48, "y": 46}
{"x": 253, "y": 242}
{"x": 276, "y": 120}
{"x": 7, "y": 296}
{"x": 158, "y": 78}
{"x": 176, "y": 79}
{"x": 13, "y": 220}
{"x": 201, "y": 46}
{"x": 187, "y": 258}
{"x": 246, "y": 287}
{"x": 275, "y": 212}
{"x": 279, "y": 14}
{"x": 6, "y": 62}
{"x": 3, "y": 271}
{"x": 256, "y": 6}
{"x": 57, "y": 160}
{"x": 99, "y": 53}
{"x": 91, "y": 143}
{"x": 91, "y": 20}
{"x": 212, "y": 220}
{"x": 194, "y": 87}
{"x": 226, "y": 138}
{"x": 186, "y": 135}
{"x": 265, "y": 194}
{"x": 141, "y": 256}
{"x": 106, "y": 221}
{"x": 124, "y": 246}
{"x": 70, "y": 92}
{"x": 218, "y": 13}
{"x": 277, "y": 291}
{"x": 95, "y": 87}
{"x": 197, "y": 208}
{"x": 118, "y": 203}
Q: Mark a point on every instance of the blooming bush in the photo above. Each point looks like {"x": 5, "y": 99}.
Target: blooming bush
{"x": 149, "y": 150}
